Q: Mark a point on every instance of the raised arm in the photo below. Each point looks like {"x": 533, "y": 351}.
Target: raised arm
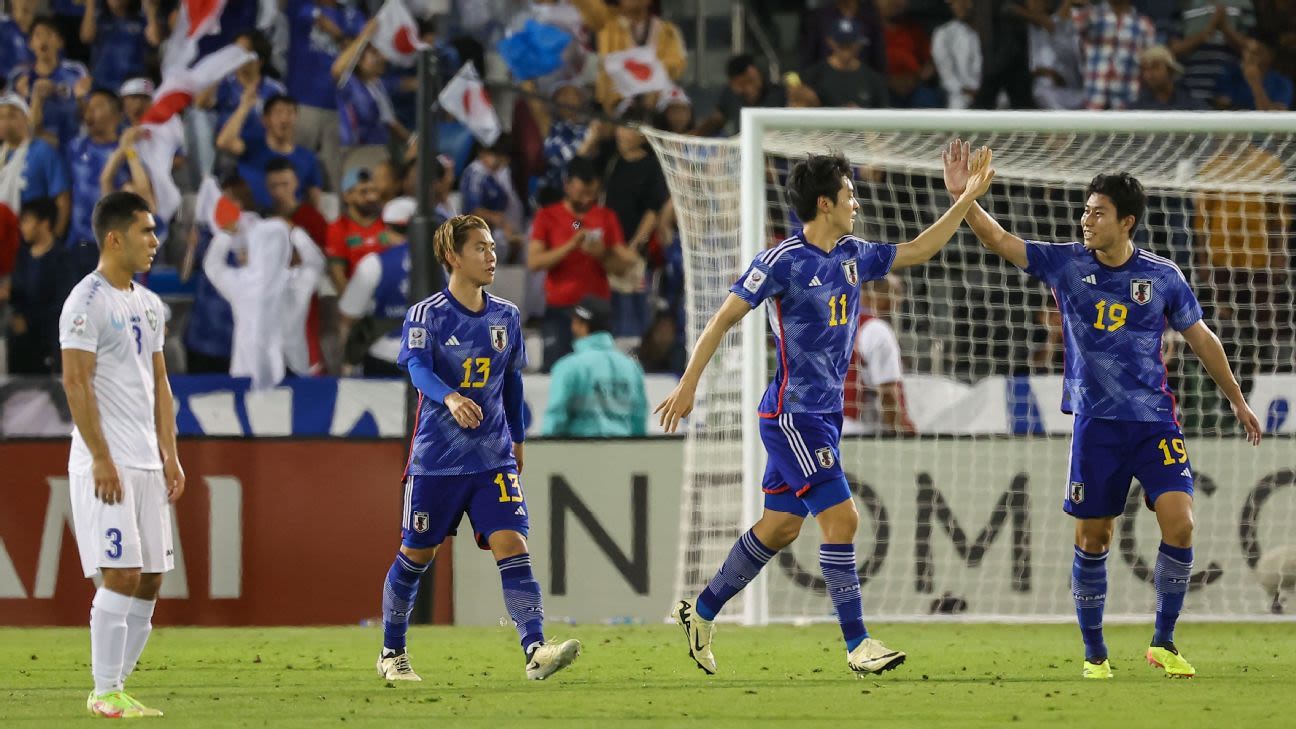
{"x": 230, "y": 138}
{"x": 680, "y": 402}
{"x": 992, "y": 235}
{"x": 1208, "y": 349}
{"x": 930, "y": 241}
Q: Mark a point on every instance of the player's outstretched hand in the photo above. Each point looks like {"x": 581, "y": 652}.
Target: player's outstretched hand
{"x": 107, "y": 486}
{"x": 466, "y": 412}
{"x": 175, "y": 478}
{"x": 675, "y": 407}
{"x": 980, "y": 173}
{"x": 955, "y": 156}
{"x": 1249, "y": 421}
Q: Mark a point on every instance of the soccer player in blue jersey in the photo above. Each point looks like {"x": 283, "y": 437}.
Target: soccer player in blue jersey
{"x": 464, "y": 351}
{"x": 810, "y": 286}
{"x": 1116, "y": 300}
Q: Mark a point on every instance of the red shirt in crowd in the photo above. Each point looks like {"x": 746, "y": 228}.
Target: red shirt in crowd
{"x": 348, "y": 241}
{"x": 908, "y": 48}
{"x": 579, "y": 274}
{"x": 310, "y": 220}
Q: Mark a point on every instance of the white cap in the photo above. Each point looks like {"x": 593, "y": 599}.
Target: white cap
{"x": 16, "y": 102}
{"x": 399, "y": 211}
{"x": 136, "y": 87}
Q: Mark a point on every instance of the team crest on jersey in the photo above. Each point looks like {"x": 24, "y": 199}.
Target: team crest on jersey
{"x": 78, "y": 325}
{"x": 851, "y": 269}
{"x": 152, "y": 320}
{"x": 499, "y": 338}
{"x": 420, "y": 521}
{"x": 1141, "y": 290}
{"x": 825, "y": 456}
{"x": 1076, "y": 492}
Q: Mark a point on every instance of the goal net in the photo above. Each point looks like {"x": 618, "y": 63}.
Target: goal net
{"x": 962, "y": 517}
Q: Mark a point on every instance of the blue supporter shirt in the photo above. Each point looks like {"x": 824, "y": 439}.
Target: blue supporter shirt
{"x": 228, "y": 94}
{"x": 311, "y": 52}
{"x": 14, "y": 51}
{"x": 481, "y": 189}
{"x": 75, "y": 8}
{"x": 812, "y": 303}
{"x": 471, "y": 352}
{"x": 211, "y": 320}
{"x": 257, "y": 155}
{"x": 62, "y": 114}
{"x": 1112, "y": 322}
{"x": 364, "y": 109}
{"x": 44, "y": 174}
{"x": 119, "y": 51}
{"x": 1233, "y": 84}
{"x": 86, "y": 159}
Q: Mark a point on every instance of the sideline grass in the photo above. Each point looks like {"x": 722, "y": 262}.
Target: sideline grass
{"x": 957, "y": 675}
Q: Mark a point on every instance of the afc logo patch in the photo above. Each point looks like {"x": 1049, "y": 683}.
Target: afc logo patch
{"x": 754, "y": 280}
{"x": 1141, "y": 290}
{"x": 851, "y": 269}
{"x": 825, "y": 457}
{"x": 499, "y": 338}
{"x": 417, "y": 338}
{"x": 420, "y": 521}
{"x": 1076, "y": 492}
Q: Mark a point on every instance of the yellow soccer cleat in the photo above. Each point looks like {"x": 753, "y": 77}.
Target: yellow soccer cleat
{"x": 143, "y": 710}
{"x": 1097, "y": 670}
{"x": 112, "y": 705}
{"x": 1168, "y": 657}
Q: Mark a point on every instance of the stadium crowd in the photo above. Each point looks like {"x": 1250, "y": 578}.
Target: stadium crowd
{"x": 321, "y": 162}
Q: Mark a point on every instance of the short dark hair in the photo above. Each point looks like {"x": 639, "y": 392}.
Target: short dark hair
{"x": 276, "y": 100}
{"x": 41, "y": 208}
{"x": 818, "y": 175}
{"x": 1125, "y": 191}
{"x": 279, "y": 164}
{"x": 260, "y": 44}
{"x": 581, "y": 168}
{"x": 111, "y": 96}
{"x": 50, "y": 25}
{"x": 115, "y": 212}
{"x": 738, "y": 65}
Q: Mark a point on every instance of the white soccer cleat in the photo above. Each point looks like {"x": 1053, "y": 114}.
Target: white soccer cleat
{"x": 873, "y": 657}
{"x": 699, "y": 633}
{"x": 550, "y": 658}
{"x": 396, "y": 667}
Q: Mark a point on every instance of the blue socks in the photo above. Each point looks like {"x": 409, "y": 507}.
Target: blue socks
{"x": 742, "y": 565}
{"x": 838, "y": 564}
{"x": 1173, "y": 568}
{"x": 522, "y": 599}
{"x": 398, "y": 600}
{"x": 1089, "y": 588}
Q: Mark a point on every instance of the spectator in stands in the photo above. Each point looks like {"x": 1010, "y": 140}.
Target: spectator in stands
{"x": 137, "y": 96}
{"x": 30, "y": 168}
{"x": 675, "y": 112}
{"x": 910, "y": 71}
{"x": 576, "y": 242}
{"x": 842, "y": 79}
{"x": 120, "y": 40}
{"x": 1112, "y": 35}
{"x": 15, "y": 29}
{"x": 375, "y": 300}
{"x": 442, "y": 184}
{"x": 596, "y": 391}
{"x": 1276, "y": 27}
{"x": 37, "y": 287}
{"x": 86, "y": 156}
{"x": 364, "y": 108}
{"x": 134, "y": 178}
{"x": 210, "y": 329}
{"x": 747, "y": 87}
{"x": 388, "y": 179}
{"x": 488, "y": 191}
{"x": 630, "y": 24}
{"x": 66, "y": 16}
{"x": 822, "y": 22}
{"x": 358, "y": 231}
{"x": 956, "y": 51}
{"x": 1054, "y": 50}
{"x": 320, "y": 29}
{"x": 567, "y": 134}
{"x": 255, "y": 153}
{"x": 1206, "y": 43}
{"x": 875, "y": 400}
{"x": 224, "y": 98}
{"x": 1005, "y": 55}
{"x": 1160, "y": 88}
{"x": 52, "y": 86}
{"x": 281, "y": 186}
{"x": 1253, "y": 84}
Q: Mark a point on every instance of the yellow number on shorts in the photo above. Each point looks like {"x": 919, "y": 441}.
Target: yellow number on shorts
{"x": 834, "y": 303}
{"x": 1178, "y": 445}
{"x": 504, "y": 486}
{"x": 1115, "y": 315}
{"x": 483, "y": 369}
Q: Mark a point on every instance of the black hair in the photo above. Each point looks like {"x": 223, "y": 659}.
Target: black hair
{"x": 111, "y": 96}
{"x": 503, "y": 146}
{"x": 636, "y": 114}
{"x": 581, "y": 168}
{"x": 436, "y": 169}
{"x": 50, "y": 25}
{"x": 115, "y": 212}
{"x": 279, "y": 164}
{"x": 260, "y": 44}
{"x": 738, "y": 65}
{"x": 231, "y": 178}
{"x": 274, "y": 101}
{"x": 1125, "y": 191}
{"x": 819, "y": 175}
{"x": 41, "y": 208}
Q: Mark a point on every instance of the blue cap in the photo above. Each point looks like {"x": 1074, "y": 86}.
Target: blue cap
{"x": 353, "y": 177}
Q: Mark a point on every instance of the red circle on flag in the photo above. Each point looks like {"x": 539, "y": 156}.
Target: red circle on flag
{"x": 403, "y": 42}
{"x": 640, "y": 71}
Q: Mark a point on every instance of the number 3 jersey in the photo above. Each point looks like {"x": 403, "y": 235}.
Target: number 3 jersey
{"x": 812, "y": 302}
{"x": 470, "y": 352}
{"x": 1112, "y": 322}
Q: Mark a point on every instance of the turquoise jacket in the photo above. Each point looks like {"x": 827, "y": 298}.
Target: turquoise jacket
{"x": 596, "y": 392}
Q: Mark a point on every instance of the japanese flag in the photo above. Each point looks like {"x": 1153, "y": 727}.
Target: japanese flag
{"x": 197, "y": 18}
{"x": 466, "y": 99}
{"x": 636, "y": 71}
{"x": 396, "y": 34}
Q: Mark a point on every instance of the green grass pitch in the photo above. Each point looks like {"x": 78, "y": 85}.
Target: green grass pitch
{"x": 957, "y": 675}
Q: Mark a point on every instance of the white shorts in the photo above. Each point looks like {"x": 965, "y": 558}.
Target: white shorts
{"x": 135, "y": 532}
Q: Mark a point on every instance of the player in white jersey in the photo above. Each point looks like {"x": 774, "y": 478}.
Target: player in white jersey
{"x": 123, "y": 470}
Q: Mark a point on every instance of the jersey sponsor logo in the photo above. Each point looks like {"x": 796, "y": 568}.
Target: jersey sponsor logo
{"x": 152, "y": 320}
{"x": 78, "y": 325}
{"x": 754, "y": 280}
{"x": 420, "y": 521}
{"x": 1076, "y": 492}
{"x": 825, "y": 457}
{"x": 851, "y": 269}
{"x": 1141, "y": 290}
{"x": 417, "y": 338}
{"x": 499, "y": 337}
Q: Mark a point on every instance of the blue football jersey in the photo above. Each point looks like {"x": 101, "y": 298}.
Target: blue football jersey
{"x": 470, "y": 352}
{"x": 1112, "y": 322}
{"x": 812, "y": 302}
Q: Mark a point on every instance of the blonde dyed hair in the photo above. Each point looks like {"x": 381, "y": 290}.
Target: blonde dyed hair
{"x": 452, "y": 235}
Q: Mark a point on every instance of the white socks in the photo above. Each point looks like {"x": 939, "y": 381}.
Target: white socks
{"x": 108, "y": 616}
{"x": 139, "y": 624}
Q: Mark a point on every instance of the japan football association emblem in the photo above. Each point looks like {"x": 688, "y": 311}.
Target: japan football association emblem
{"x": 420, "y": 521}
{"x": 1141, "y": 290}
{"x": 499, "y": 338}
{"x": 851, "y": 269}
{"x": 1076, "y": 492}
{"x": 825, "y": 456}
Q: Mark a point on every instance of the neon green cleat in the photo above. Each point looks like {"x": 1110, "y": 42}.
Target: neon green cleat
{"x": 144, "y": 710}
{"x": 1097, "y": 670}
{"x": 1168, "y": 657}
{"x": 112, "y": 705}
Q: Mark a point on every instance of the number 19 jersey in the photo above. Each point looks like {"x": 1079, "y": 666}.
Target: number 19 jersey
{"x": 812, "y": 303}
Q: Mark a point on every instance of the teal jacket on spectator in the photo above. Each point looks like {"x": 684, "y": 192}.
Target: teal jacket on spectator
{"x": 596, "y": 392}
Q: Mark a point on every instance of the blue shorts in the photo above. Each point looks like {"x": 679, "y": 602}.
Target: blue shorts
{"x": 802, "y": 454}
{"x": 434, "y": 505}
{"x": 1106, "y": 454}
